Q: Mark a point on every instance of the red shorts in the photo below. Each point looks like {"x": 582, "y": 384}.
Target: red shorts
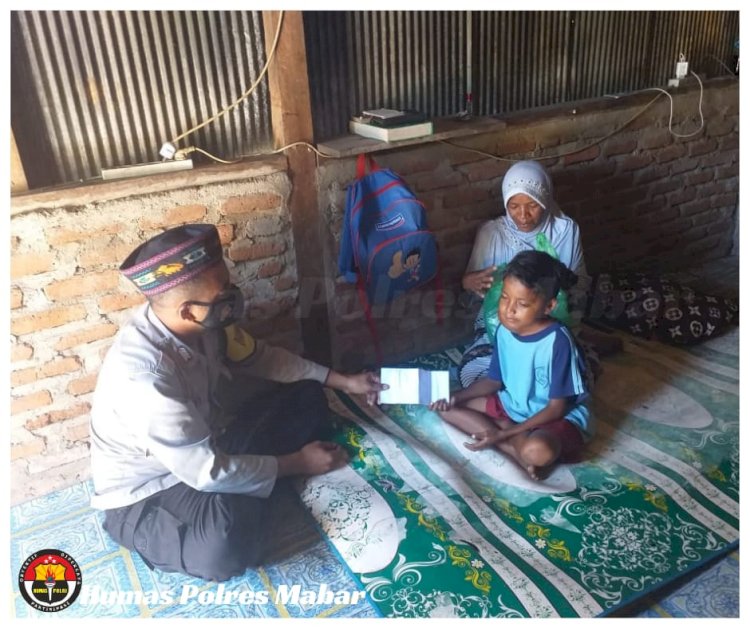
{"x": 571, "y": 440}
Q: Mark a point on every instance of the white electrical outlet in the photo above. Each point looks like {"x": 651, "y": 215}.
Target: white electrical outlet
{"x": 167, "y": 150}
{"x": 681, "y": 69}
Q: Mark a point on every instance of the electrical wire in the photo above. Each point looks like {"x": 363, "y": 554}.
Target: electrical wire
{"x": 310, "y": 146}
{"x": 246, "y": 93}
{"x": 570, "y": 152}
{"x": 671, "y": 107}
{"x": 184, "y": 152}
{"x": 608, "y": 135}
{"x": 732, "y": 73}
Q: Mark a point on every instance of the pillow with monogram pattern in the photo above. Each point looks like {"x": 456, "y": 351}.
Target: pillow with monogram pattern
{"x": 649, "y": 306}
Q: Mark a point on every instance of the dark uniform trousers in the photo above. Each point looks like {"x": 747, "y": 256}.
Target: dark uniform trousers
{"x": 216, "y": 536}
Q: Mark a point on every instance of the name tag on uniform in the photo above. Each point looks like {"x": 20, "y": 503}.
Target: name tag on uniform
{"x": 240, "y": 344}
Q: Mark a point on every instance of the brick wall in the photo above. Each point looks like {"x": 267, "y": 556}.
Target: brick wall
{"x": 643, "y": 198}
{"x": 68, "y": 299}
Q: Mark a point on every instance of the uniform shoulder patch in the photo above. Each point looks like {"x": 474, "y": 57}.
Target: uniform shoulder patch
{"x": 240, "y": 344}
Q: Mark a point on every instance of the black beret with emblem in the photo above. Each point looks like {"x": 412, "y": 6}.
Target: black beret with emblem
{"x": 172, "y": 258}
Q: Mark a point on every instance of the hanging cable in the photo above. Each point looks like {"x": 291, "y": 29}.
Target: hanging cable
{"x": 171, "y": 152}
{"x": 671, "y": 107}
{"x": 725, "y": 66}
{"x": 310, "y": 146}
{"x": 183, "y": 153}
{"x": 615, "y": 132}
{"x": 245, "y": 94}
{"x": 570, "y": 152}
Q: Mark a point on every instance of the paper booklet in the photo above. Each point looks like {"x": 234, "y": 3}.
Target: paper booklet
{"x": 415, "y": 386}
{"x": 394, "y": 118}
{"x": 389, "y": 134}
{"x": 382, "y": 113}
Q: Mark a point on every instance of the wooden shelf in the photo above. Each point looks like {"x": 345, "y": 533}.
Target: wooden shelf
{"x": 445, "y": 128}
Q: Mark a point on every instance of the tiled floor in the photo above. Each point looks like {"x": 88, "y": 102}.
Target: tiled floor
{"x": 63, "y": 520}
{"x": 711, "y": 592}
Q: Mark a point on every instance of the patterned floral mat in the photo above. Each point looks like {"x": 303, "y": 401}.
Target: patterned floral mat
{"x": 431, "y": 529}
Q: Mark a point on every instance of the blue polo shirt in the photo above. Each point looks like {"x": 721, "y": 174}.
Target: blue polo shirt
{"x": 539, "y": 367}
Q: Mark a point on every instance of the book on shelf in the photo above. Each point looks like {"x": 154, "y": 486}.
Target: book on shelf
{"x": 392, "y": 117}
{"x": 383, "y": 114}
{"x": 414, "y": 385}
{"x": 389, "y": 134}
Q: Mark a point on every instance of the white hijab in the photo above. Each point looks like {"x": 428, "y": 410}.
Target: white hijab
{"x": 530, "y": 178}
{"x": 499, "y": 240}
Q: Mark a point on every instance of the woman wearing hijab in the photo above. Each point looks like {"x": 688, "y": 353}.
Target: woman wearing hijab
{"x": 532, "y": 221}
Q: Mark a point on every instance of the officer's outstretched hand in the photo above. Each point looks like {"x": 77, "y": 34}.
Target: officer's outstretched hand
{"x": 367, "y": 384}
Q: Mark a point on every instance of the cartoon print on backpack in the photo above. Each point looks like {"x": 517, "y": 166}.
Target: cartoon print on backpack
{"x": 386, "y": 246}
{"x": 411, "y": 265}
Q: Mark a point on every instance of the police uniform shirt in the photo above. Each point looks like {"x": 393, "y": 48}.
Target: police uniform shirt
{"x": 155, "y": 412}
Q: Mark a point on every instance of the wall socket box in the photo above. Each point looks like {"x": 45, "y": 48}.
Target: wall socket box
{"x": 680, "y": 72}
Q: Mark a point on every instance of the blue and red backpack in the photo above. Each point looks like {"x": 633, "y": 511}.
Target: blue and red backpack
{"x": 386, "y": 246}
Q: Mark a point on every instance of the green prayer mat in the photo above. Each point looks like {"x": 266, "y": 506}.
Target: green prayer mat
{"x": 431, "y": 529}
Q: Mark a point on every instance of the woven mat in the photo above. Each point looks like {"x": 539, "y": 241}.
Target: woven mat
{"x": 431, "y": 529}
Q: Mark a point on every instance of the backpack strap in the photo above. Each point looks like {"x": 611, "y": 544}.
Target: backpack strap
{"x": 368, "y": 317}
{"x": 362, "y": 162}
{"x": 439, "y": 295}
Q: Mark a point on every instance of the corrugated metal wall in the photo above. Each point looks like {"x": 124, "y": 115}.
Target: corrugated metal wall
{"x": 621, "y": 51}
{"x": 612, "y": 53}
{"x": 517, "y": 60}
{"x": 395, "y": 59}
{"x": 99, "y": 89}
{"x": 522, "y": 59}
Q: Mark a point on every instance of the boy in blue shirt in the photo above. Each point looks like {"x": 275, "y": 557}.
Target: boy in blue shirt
{"x": 532, "y": 404}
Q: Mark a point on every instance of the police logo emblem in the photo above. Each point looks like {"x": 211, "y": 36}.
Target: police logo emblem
{"x": 49, "y": 580}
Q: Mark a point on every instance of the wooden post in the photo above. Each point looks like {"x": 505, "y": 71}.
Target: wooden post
{"x": 291, "y": 117}
{"x": 17, "y": 174}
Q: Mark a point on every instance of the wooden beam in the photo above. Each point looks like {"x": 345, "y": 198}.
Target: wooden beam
{"x": 17, "y": 174}
{"x": 291, "y": 117}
